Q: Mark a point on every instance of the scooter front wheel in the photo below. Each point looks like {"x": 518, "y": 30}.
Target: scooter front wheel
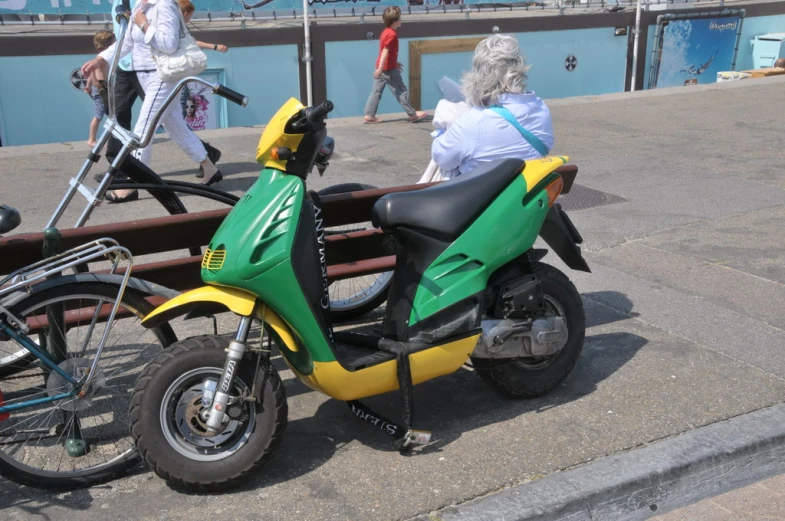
{"x": 168, "y": 425}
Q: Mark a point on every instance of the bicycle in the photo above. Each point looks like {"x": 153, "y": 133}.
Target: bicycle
{"x": 64, "y": 418}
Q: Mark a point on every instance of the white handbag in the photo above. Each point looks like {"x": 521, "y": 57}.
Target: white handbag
{"x": 187, "y": 60}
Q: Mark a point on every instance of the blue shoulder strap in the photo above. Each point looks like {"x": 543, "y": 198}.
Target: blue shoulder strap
{"x": 530, "y": 138}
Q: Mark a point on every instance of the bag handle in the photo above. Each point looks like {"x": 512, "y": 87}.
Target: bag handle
{"x": 183, "y": 26}
{"x": 530, "y": 138}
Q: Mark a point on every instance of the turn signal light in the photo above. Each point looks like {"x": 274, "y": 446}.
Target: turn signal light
{"x": 281, "y": 154}
{"x": 554, "y": 189}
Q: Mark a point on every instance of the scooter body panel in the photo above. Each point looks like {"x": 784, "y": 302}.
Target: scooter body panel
{"x": 259, "y": 252}
{"x": 507, "y": 228}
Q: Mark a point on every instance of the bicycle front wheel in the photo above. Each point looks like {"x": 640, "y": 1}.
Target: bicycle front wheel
{"x": 80, "y": 440}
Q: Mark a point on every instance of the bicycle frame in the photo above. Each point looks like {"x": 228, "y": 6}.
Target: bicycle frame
{"x": 137, "y": 171}
{"x": 17, "y": 329}
{"x": 130, "y": 143}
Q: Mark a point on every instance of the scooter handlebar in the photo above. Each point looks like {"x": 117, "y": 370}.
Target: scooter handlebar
{"x": 316, "y": 115}
{"x": 233, "y": 96}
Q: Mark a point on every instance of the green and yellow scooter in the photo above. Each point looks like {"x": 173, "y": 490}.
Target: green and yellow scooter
{"x": 468, "y": 283}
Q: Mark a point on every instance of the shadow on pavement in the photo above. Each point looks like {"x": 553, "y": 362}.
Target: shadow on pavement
{"x": 226, "y": 169}
{"x": 620, "y": 305}
{"x": 448, "y": 406}
{"x": 34, "y": 501}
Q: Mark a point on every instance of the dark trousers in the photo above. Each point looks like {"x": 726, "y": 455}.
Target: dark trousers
{"x": 126, "y": 89}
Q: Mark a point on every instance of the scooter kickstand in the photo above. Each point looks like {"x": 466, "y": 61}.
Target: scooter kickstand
{"x": 411, "y": 438}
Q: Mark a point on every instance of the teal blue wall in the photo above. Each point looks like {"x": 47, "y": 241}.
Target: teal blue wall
{"x": 39, "y": 105}
{"x": 601, "y": 68}
{"x": 753, "y": 27}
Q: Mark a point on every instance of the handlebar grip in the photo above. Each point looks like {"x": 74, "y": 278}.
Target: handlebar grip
{"x": 233, "y": 96}
{"x": 122, "y": 12}
{"x": 317, "y": 114}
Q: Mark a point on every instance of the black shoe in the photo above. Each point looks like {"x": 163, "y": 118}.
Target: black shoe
{"x": 213, "y": 154}
{"x": 217, "y": 178}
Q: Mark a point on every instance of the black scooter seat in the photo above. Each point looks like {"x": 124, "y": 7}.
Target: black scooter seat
{"x": 447, "y": 209}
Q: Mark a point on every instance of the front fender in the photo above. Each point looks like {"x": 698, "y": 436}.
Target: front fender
{"x": 237, "y": 301}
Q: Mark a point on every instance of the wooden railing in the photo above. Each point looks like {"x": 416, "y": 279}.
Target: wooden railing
{"x": 348, "y": 255}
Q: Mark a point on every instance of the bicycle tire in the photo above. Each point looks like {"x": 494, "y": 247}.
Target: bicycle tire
{"x": 22, "y": 472}
{"x": 346, "y": 309}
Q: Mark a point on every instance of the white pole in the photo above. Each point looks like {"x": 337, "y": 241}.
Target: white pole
{"x": 307, "y": 58}
{"x": 635, "y": 46}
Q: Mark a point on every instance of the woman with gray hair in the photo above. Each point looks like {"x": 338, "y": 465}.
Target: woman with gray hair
{"x": 504, "y": 121}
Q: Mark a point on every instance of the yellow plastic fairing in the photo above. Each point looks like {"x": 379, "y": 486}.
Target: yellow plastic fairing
{"x": 333, "y": 380}
{"x": 537, "y": 169}
{"x": 237, "y": 301}
{"x": 274, "y": 135}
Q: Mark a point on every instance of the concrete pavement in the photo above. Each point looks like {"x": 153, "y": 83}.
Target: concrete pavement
{"x": 683, "y": 308}
{"x": 760, "y": 501}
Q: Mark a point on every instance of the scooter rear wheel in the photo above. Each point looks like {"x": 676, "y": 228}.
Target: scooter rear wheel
{"x": 171, "y": 435}
{"x": 533, "y": 377}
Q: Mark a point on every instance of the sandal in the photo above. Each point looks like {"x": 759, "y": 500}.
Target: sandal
{"x": 372, "y": 121}
{"x": 418, "y": 116}
{"x": 115, "y": 199}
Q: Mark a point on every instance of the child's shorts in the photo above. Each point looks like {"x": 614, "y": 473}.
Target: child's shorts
{"x": 100, "y": 110}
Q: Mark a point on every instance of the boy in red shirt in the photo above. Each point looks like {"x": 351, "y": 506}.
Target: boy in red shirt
{"x": 388, "y": 71}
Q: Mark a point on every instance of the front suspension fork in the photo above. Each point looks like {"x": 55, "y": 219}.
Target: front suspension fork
{"x": 235, "y": 351}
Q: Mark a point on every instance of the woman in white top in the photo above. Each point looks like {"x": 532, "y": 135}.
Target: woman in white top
{"x": 482, "y": 134}
{"x": 164, "y": 37}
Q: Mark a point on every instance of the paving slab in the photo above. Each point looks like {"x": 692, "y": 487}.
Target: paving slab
{"x": 740, "y": 291}
{"x": 752, "y": 242}
{"x": 764, "y": 500}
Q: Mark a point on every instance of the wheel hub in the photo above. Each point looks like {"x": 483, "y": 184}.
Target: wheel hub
{"x": 78, "y": 368}
{"x": 191, "y": 423}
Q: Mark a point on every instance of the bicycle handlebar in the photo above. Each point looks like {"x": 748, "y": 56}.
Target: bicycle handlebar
{"x": 215, "y": 87}
{"x": 122, "y": 11}
{"x": 231, "y": 95}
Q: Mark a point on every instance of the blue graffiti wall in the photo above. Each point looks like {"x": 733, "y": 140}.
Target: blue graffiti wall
{"x": 750, "y": 27}
{"x": 694, "y": 51}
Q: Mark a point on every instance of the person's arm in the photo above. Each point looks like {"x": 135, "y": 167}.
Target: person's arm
{"x": 382, "y": 60}
{"x": 450, "y": 150}
{"x": 212, "y": 46}
{"x": 165, "y": 37}
{"x": 105, "y": 57}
